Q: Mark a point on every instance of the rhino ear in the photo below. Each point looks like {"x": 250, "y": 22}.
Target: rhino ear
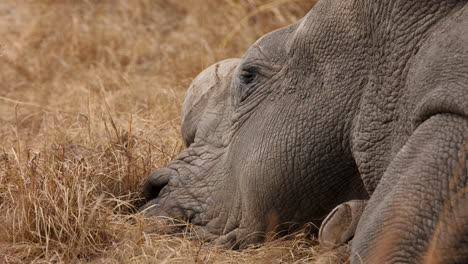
{"x": 207, "y": 86}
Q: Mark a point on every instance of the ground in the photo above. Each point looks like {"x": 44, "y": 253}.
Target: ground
{"x": 90, "y": 95}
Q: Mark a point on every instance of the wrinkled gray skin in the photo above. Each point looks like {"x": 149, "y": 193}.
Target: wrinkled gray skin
{"x": 359, "y": 99}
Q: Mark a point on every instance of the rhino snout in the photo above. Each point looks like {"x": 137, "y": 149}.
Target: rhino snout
{"x": 159, "y": 202}
{"x": 196, "y": 186}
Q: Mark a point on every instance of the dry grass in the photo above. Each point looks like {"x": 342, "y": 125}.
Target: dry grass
{"x": 90, "y": 93}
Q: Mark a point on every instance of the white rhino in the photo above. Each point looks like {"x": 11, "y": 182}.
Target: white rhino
{"x": 360, "y": 100}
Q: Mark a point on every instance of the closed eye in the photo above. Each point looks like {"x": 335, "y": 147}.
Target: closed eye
{"x": 248, "y": 76}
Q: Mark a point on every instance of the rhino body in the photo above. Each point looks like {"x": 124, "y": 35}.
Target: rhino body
{"x": 361, "y": 100}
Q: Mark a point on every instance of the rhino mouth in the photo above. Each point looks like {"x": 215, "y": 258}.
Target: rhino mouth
{"x": 195, "y": 197}
{"x": 183, "y": 189}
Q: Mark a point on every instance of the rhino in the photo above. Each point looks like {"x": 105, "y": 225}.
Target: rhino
{"x": 354, "y": 118}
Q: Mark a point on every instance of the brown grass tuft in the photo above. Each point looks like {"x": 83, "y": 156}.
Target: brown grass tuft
{"x": 90, "y": 93}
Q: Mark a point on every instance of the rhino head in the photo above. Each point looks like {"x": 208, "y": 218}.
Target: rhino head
{"x": 266, "y": 142}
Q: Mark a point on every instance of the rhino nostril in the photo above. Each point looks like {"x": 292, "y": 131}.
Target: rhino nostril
{"x": 156, "y": 182}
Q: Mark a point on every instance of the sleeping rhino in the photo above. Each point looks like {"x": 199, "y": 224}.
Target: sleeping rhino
{"x": 358, "y": 111}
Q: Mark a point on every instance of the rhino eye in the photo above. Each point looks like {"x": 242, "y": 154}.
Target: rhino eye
{"x": 248, "y": 76}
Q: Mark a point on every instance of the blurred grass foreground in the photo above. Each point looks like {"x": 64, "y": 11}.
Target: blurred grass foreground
{"x": 90, "y": 94}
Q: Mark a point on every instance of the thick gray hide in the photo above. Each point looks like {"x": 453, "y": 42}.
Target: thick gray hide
{"x": 359, "y": 99}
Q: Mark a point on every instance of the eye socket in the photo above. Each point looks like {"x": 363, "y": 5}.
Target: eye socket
{"x": 247, "y": 82}
{"x": 248, "y": 76}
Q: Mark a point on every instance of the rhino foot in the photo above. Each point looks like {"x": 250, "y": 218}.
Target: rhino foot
{"x": 339, "y": 226}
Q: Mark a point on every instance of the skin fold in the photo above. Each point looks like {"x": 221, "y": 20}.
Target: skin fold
{"x": 359, "y": 100}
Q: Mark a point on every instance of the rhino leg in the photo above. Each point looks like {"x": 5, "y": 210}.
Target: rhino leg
{"x": 339, "y": 226}
{"x": 419, "y": 211}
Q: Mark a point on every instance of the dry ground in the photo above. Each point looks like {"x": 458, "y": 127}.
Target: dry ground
{"x": 90, "y": 93}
